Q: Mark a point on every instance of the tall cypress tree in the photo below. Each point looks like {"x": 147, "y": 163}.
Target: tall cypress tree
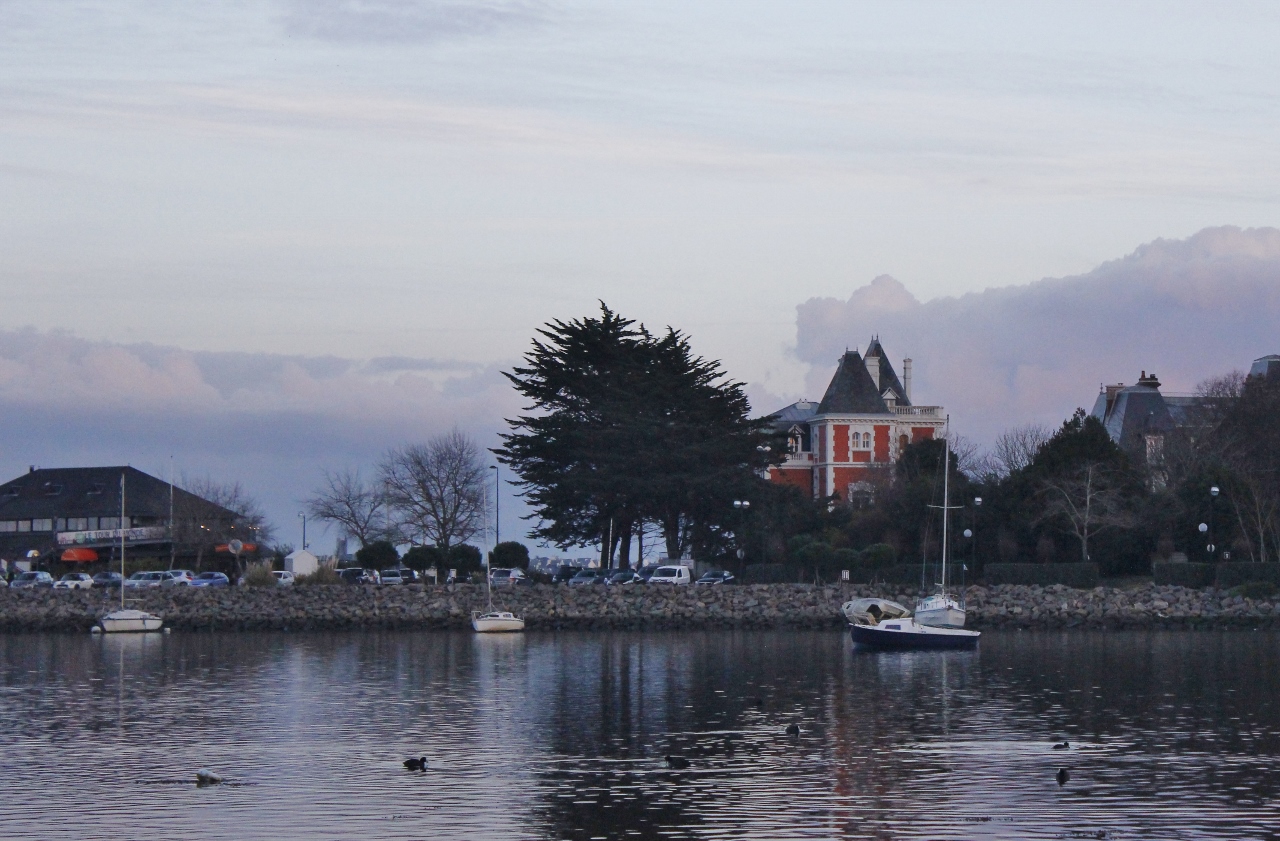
{"x": 625, "y": 427}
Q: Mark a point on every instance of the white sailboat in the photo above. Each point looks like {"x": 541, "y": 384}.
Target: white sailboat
{"x": 124, "y": 620}
{"x": 945, "y": 608}
{"x": 495, "y": 621}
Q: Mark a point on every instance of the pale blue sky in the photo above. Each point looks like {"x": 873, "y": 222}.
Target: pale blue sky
{"x": 435, "y": 180}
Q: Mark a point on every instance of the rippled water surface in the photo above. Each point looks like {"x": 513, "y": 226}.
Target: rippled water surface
{"x": 562, "y": 736}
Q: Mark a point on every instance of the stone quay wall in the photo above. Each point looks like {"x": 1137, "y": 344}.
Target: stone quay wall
{"x": 547, "y": 607}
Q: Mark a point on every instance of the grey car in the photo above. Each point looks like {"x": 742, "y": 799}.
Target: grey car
{"x": 32, "y": 580}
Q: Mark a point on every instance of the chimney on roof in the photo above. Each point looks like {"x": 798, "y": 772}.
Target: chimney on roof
{"x": 873, "y": 368}
{"x": 906, "y": 379}
{"x": 31, "y": 468}
{"x": 1151, "y": 381}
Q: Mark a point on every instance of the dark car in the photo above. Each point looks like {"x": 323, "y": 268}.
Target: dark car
{"x": 357, "y": 575}
{"x": 645, "y": 573}
{"x": 563, "y": 573}
{"x": 210, "y": 579}
{"x": 716, "y": 577}
{"x": 623, "y": 576}
{"x": 586, "y": 577}
{"x": 107, "y": 579}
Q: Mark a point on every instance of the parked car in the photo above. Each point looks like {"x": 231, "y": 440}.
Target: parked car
{"x": 357, "y": 575}
{"x": 210, "y": 579}
{"x": 74, "y": 581}
{"x": 623, "y": 576}
{"x": 32, "y": 580}
{"x": 284, "y": 578}
{"x": 645, "y": 573}
{"x": 392, "y": 576}
{"x": 586, "y": 577}
{"x": 671, "y": 575}
{"x": 715, "y": 577}
{"x": 563, "y": 573}
{"x": 144, "y": 580}
{"x": 107, "y": 579}
{"x": 508, "y": 577}
{"x": 177, "y": 578}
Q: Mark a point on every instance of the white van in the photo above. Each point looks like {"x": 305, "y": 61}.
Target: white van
{"x": 671, "y": 575}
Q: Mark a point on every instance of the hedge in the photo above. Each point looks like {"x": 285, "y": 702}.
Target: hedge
{"x": 1080, "y": 576}
{"x": 1233, "y": 574}
{"x": 1183, "y": 574}
{"x": 768, "y": 574}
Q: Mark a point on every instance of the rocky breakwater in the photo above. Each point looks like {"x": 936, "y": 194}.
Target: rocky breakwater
{"x": 547, "y": 607}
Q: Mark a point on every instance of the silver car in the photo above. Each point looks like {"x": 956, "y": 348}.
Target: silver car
{"x": 144, "y": 580}
{"x": 177, "y": 578}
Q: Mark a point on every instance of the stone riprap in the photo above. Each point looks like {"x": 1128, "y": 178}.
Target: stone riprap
{"x": 637, "y": 607}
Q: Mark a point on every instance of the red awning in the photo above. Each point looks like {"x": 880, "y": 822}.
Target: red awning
{"x": 226, "y": 547}
{"x": 80, "y": 555}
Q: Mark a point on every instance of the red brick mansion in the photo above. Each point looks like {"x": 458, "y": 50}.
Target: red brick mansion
{"x": 864, "y": 421}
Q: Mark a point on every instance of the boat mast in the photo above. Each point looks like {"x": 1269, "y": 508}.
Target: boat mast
{"x": 946, "y": 499}
{"x": 122, "y": 541}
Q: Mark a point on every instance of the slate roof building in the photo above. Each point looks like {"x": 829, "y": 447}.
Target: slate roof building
{"x": 73, "y": 511}
{"x": 864, "y": 420}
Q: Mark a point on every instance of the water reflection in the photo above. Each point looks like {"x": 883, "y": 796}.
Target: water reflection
{"x": 562, "y": 736}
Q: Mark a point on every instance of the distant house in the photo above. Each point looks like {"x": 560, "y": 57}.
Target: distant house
{"x": 1138, "y": 417}
{"x": 862, "y": 424}
{"x": 73, "y": 514}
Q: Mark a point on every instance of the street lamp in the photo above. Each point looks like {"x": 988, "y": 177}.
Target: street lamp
{"x": 744, "y": 505}
{"x": 1213, "y": 498}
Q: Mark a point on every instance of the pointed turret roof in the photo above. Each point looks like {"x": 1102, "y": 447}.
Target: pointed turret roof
{"x": 852, "y": 391}
{"x": 888, "y": 377}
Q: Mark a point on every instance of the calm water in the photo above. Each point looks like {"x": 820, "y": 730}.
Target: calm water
{"x": 562, "y": 736}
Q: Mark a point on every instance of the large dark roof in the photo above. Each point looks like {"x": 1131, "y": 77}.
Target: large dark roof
{"x": 888, "y": 377}
{"x": 798, "y": 412}
{"x": 88, "y": 492}
{"x": 852, "y": 390}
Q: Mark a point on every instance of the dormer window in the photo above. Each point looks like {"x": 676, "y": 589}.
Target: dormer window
{"x": 11, "y": 493}
{"x": 50, "y": 489}
{"x": 96, "y": 488}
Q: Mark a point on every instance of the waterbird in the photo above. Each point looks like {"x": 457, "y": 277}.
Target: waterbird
{"x": 205, "y": 777}
{"x": 1062, "y": 746}
{"x": 1063, "y": 776}
{"x": 793, "y": 730}
{"x": 419, "y": 764}
{"x": 677, "y": 762}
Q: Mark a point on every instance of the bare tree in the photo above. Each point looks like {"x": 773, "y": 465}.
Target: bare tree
{"x": 359, "y": 507}
{"x": 1087, "y": 502}
{"x": 207, "y": 514}
{"x": 436, "y": 490}
{"x": 1016, "y": 448}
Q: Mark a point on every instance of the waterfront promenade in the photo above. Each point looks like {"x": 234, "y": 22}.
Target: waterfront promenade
{"x": 550, "y": 607}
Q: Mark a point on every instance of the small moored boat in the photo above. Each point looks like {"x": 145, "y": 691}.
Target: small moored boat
{"x": 130, "y": 621}
{"x": 880, "y": 623}
{"x": 496, "y": 621}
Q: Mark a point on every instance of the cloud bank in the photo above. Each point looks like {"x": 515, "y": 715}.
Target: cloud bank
{"x": 1184, "y": 309}
{"x": 271, "y": 421}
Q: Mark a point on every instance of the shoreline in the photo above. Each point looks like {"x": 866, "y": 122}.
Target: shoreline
{"x": 549, "y": 607}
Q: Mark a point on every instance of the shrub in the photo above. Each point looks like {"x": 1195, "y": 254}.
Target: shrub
{"x": 323, "y": 575}
{"x": 465, "y": 559}
{"x": 878, "y": 556}
{"x": 259, "y": 575}
{"x": 1255, "y": 590}
{"x": 509, "y": 554}
{"x": 421, "y": 558}
{"x": 1183, "y": 575}
{"x": 378, "y": 555}
{"x": 1234, "y": 574}
{"x": 767, "y": 574}
{"x": 1081, "y": 576}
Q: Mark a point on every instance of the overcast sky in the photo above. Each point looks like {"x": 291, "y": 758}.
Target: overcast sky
{"x": 427, "y": 182}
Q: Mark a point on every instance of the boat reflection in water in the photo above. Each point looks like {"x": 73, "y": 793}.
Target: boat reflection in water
{"x": 880, "y": 623}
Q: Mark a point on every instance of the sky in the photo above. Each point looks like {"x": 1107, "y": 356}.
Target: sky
{"x": 253, "y": 240}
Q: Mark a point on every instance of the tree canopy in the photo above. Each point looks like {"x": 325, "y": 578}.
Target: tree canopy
{"x": 624, "y": 427}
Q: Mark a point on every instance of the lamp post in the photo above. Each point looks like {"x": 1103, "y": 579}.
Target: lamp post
{"x": 1213, "y": 534}
{"x": 742, "y": 505}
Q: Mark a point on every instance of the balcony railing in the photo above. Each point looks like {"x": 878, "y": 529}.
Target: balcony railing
{"x": 919, "y": 411}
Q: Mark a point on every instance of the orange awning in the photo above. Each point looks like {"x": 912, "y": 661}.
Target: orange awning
{"x": 80, "y": 555}
{"x": 226, "y": 547}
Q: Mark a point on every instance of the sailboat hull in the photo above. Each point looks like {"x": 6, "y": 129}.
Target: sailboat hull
{"x": 496, "y": 622}
{"x": 130, "y": 622}
{"x": 904, "y": 634}
{"x": 944, "y": 617}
